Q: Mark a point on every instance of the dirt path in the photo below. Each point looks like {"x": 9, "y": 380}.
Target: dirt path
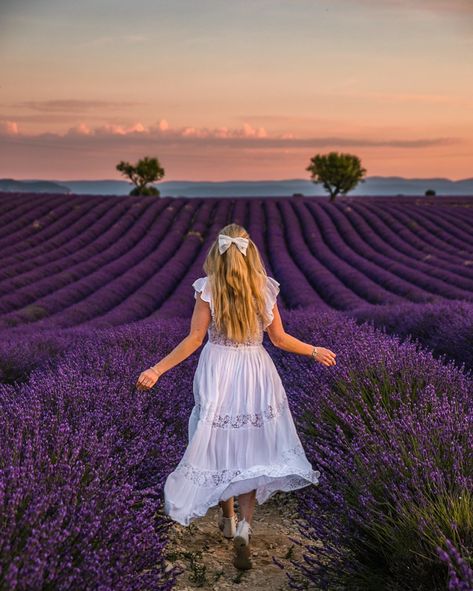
{"x": 206, "y": 556}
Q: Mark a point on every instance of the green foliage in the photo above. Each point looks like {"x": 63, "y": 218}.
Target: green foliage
{"x": 147, "y": 170}
{"x": 397, "y": 536}
{"x": 144, "y": 191}
{"x": 337, "y": 172}
{"x": 402, "y": 541}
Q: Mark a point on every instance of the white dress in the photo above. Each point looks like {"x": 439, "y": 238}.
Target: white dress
{"x": 241, "y": 432}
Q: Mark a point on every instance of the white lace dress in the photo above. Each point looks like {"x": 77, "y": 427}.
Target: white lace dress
{"x": 241, "y": 432}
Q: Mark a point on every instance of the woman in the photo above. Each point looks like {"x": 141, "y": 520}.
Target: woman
{"x": 242, "y": 437}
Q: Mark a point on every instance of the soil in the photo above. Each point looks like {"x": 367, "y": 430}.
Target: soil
{"x": 205, "y": 556}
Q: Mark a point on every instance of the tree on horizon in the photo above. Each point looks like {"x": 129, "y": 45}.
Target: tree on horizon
{"x": 146, "y": 170}
{"x": 337, "y": 172}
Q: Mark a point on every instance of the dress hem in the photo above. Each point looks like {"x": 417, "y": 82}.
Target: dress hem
{"x": 266, "y": 486}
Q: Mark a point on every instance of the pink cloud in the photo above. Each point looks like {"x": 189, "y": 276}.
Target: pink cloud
{"x": 250, "y": 131}
{"x": 113, "y": 129}
{"x": 9, "y": 128}
{"x": 162, "y": 135}
{"x": 246, "y": 131}
{"x": 81, "y": 129}
{"x": 192, "y": 152}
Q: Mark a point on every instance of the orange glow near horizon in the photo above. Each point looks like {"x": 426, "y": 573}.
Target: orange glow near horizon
{"x": 217, "y": 95}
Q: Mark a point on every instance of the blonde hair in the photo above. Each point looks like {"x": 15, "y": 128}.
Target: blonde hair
{"x": 238, "y": 286}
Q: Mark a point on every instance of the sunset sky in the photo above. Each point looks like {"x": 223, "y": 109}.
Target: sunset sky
{"x": 235, "y": 89}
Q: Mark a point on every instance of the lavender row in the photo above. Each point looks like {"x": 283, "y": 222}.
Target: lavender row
{"x": 336, "y": 231}
{"x": 105, "y": 239}
{"x": 124, "y": 236}
{"x": 397, "y": 237}
{"x": 295, "y": 287}
{"x": 258, "y": 231}
{"x": 50, "y": 299}
{"x": 373, "y": 236}
{"x": 401, "y": 235}
{"x": 434, "y": 222}
{"x": 414, "y": 275}
{"x": 336, "y": 290}
{"x": 129, "y": 288}
{"x": 95, "y": 235}
{"x": 370, "y": 246}
{"x": 20, "y": 211}
{"x": 332, "y": 252}
{"x": 156, "y": 292}
{"x": 49, "y": 228}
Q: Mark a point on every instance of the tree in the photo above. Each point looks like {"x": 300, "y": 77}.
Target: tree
{"x": 147, "y": 170}
{"x": 430, "y": 193}
{"x": 338, "y": 173}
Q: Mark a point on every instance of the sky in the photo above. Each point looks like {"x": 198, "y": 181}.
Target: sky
{"x": 235, "y": 89}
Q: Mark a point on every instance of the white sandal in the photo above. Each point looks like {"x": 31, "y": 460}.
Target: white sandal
{"x": 227, "y": 524}
{"x": 241, "y": 543}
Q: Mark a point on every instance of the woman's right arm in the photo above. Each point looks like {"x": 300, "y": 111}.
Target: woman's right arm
{"x": 281, "y": 339}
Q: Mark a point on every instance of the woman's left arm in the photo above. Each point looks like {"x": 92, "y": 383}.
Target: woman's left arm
{"x": 199, "y": 324}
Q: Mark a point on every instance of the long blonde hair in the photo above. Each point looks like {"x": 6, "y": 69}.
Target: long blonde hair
{"x": 238, "y": 285}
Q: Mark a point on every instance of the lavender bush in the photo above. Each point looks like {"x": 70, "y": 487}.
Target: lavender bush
{"x": 390, "y": 427}
{"x": 460, "y": 574}
{"x": 84, "y": 456}
{"x": 445, "y": 327}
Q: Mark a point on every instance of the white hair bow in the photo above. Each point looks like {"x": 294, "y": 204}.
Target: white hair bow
{"x": 225, "y": 241}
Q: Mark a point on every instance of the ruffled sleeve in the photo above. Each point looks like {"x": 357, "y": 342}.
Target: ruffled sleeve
{"x": 202, "y": 285}
{"x": 272, "y": 290}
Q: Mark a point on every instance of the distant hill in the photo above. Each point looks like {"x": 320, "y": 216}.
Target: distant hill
{"x": 33, "y": 186}
{"x": 375, "y": 185}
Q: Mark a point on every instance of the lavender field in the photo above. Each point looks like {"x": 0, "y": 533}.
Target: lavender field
{"x": 93, "y": 289}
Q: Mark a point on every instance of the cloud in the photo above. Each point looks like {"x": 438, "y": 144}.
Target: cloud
{"x": 9, "y": 128}
{"x": 81, "y": 129}
{"x": 74, "y": 105}
{"x": 162, "y": 135}
{"x": 246, "y": 131}
{"x": 113, "y": 129}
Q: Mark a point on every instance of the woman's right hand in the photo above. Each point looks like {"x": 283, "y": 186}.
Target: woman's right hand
{"x": 325, "y": 356}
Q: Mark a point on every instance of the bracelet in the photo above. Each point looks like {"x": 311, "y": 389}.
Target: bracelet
{"x": 314, "y": 353}
{"x": 156, "y": 371}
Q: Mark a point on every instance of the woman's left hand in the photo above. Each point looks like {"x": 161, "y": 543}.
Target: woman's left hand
{"x": 147, "y": 379}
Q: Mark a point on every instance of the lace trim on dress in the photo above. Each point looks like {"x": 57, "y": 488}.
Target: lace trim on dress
{"x": 220, "y": 339}
{"x": 244, "y": 420}
{"x": 211, "y": 478}
{"x": 285, "y": 476}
